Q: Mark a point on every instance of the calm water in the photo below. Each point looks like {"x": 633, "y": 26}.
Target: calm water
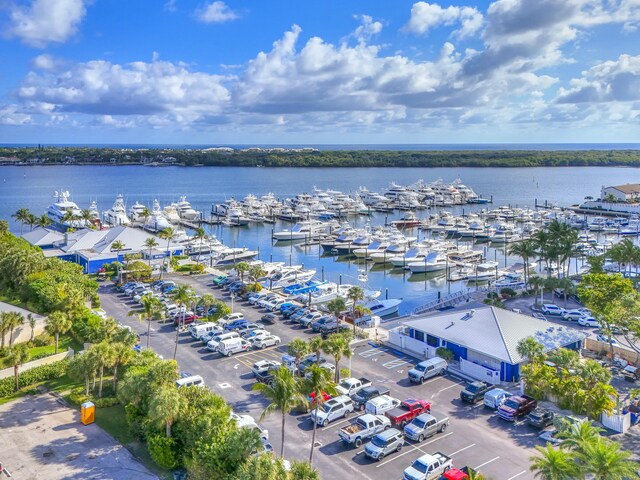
{"x": 32, "y": 187}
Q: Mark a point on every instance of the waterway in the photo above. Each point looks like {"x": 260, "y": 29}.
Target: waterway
{"x": 32, "y": 187}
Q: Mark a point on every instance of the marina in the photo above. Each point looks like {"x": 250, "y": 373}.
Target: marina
{"x": 407, "y": 247}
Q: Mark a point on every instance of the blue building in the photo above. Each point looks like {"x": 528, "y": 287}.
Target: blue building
{"x": 484, "y": 340}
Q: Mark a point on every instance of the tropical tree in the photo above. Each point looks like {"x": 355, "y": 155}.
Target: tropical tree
{"x": 105, "y": 357}
{"x": 150, "y": 243}
{"x": 530, "y": 349}
{"x": 525, "y": 250}
{"x": 303, "y": 471}
{"x": 123, "y": 352}
{"x": 207, "y": 301}
{"x": 43, "y": 221}
{"x": 164, "y": 407}
{"x": 152, "y": 309}
{"x": 262, "y": 467}
{"x": 283, "y": 394}
{"x": 10, "y": 321}
{"x": 57, "y": 322}
{"x": 32, "y": 324}
{"x": 200, "y": 235}
{"x": 537, "y": 283}
{"x": 167, "y": 234}
{"x": 578, "y": 434}
{"x": 83, "y": 367}
{"x": 337, "y": 345}
{"x": 4, "y": 227}
{"x": 21, "y": 216}
{"x": 298, "y": 349}
{"x": 605, "y": 460}
{"x": 553, "y": 464}
{"x": 145, "y": 214}
{"x": 315, "y": 346}
{"x": 242, "y": 269}
{"x": 317, "y": 382}
{"x": 355, "y": 295}
{"x": 336, "y": 307}
{"x": 183, "y": 295}
{"x": 568, "y": 288}
{"x": 17, "y": 356}
{"x": 87, "y": 216}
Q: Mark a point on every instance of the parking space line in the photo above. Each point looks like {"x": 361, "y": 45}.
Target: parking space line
{"x": 335, "y": 424}
{"x": 413, "y": 449}
{"x": 372, "y": 351}
{"x": 486, "y": 463}
{"x": 462, "y": 449}
{"x": 450, "y": 386}
{"x": 395, "y": 363}
{"x": 517, "y": 475}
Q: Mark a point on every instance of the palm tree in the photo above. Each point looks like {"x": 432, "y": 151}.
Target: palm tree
{"x": 298, "y": 349}
{"x": 525, "y": 250}
{"x": 201, "y": 235}
{"x": 317, "y": 382}
{"x": 167, "y": 234}
{"x": 183, "y": 295}
{"x": 32, "y": 323}
{"x": 43, "y": 221}
{"x": 83, "y": 366}
{"x": 355, "y": 295}
{"x": 150, "y": 243}
{"x": 117, "y": 246}
{"x": 17, "y": 356}
{"x": 87, "y": 216}
{"x": 152, "y": 309}
{"x": 337, "y": 345}
{"x": 283, "y": 393}
{"x": 241, "y": 269}
{"x": 553, "y": 464}
{"x": 57, "y": 322}
{"x": 315, "y": 346}
{"x": 145, "y": 214}
{"x": 530, "y": 349}
{"x": 568, "y": 288}
{"x": 4, "y": 227}
{"x": 122, "y": 353}
{"x": 605, "y": 460}
{"x": 14, "y": 319}
{"x": 21, "y": 216}
{"x": 165, "y": 406}
{"x": 5, "y": 320}
{"x": 206, "y": 301}
{"x": 578, "y": 434}
{"x": 303, "y": 471}
{"x": 105, "y": 355}
{"x": 336, "y": 307}
{"x": 537, "y": 283}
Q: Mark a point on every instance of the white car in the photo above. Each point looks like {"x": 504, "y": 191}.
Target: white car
{"x": 381, "y": 404}
{"x": 327, "y": 366}
{"x": 253, "y": 334}
{"x": 266, "y": 341}
{"x": 262, "y": 366}
{"x": 605, "y": 339}
{"x": 551, "y": 309}
{"x": 573, "y": 314}
{"x": 587, "y": 321}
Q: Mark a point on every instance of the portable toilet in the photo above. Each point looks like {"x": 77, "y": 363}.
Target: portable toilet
{"x": 87, "y": 413}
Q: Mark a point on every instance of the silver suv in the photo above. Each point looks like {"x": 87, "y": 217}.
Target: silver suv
{"x": 384, "y": 443}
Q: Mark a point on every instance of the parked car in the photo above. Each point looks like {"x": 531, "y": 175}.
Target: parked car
{"x": 319, "y": 323}
{"x": 587, "y": 321}
{"x": 428, "y": 467}
{"x": 231, "y": 317}
{"x": 306, "y": 363}
{"x": 349, "y": 386}
{"x": 552, "y": 309}
{"x": 309, "y": 318}
{"x": 235, "y": 324}
{"x": 248, "y": 328}
{"x": 605, "y": 339}
{"x": 427, "y": 369}
{"x": 265, "y": 341}
{"x": 333, "y": 327}
{"x": 495, "y": 397}
{"x": 365, "y": 427}
{"x": 517, "y": 406}
{"x": 425, "y": 425}
{"x": 407, "y": 411}
{"x": 540, "y": 418}
{"x": 233, "y": 345}
{"x": 264, "y": 365}
{"x": 269, "y": 317}
{"x": 381, "y": 404}
{"x": 362, "y": 396}
{"x": 253, "y": 334}
{"x": 384, "y": 443}
{"x": 338, "y": 407}
{"x": 474, "y": 392}
{"x": 574, "y": 314}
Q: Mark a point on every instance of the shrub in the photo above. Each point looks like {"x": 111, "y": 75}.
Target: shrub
{"x": 445, "y": 353}
{"x": 135, "y": 420}
{"x": 35, "y": 375}
{"x": 105, "y": 402}
{"x": 78, "y": 397}
{"x": 163, "y": 451}
{"x": 345, "y": 372}
{"x": 43, "y": 340}
{"x": 198, "y": 268}
{"x": 508, "y": 292}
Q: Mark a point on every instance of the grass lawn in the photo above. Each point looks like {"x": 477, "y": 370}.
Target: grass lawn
{"x": 113, "y": 420}
{"x": 65, "y": 342}
{"x": 60, "y": 385}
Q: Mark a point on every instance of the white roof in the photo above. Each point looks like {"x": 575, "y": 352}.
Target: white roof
{"x": 43, "y": 236}
{"x": 495, "y": 332}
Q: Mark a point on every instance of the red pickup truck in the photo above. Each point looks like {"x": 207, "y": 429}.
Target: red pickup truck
{"x": 457, "y": 474}
{"x": 516, "y": 406}
{"x": 407, "y": 411}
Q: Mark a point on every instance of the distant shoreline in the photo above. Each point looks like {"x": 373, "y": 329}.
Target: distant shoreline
{"x": 311, "y": 157}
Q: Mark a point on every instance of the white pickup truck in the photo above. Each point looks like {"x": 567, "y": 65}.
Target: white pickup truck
{"x": 428, "y": 467}
{"x": 365, "y": 427}
{"x": 351, "y": 385}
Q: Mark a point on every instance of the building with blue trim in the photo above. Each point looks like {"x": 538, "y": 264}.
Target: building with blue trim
{"x": 483, "y": 340}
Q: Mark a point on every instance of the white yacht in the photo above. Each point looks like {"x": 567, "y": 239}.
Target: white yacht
{"x": 434, "y": 262}
{"x": 157, "y": 221}
{"x": 65, "y": 213}
{"x": 136, "y": 212}
{"x": 186, "y": 211}
{"x": 307, "y": 230}
{"x": 383, "y": 308}
{"x": 288, "y": 276}
{"x": 117, "y": 214}
{"x": 171, "y": 212}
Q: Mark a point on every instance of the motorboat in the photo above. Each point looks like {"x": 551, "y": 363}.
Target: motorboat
{"x": 408, "y": 220}
{"x": 465, "y": 256}
{"x": 186, "y": 211}
{"x": 137, "y": 212}
{"x": 65, "y": 213}
{"x": 117, "y": 214}
{"x": 157, "y": 221}
{"x": 288, "y": 276}
{"x": 383, "y": 308}
{"x": 433, "y": 262}
{"x": 307, "y": 230}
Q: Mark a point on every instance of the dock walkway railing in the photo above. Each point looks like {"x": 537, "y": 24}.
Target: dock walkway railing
{"x": 443, "y": 302}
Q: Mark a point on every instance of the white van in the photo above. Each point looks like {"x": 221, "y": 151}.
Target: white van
{"x": 233, "y": 345}
{"x": 192, "y": 381}
{"x": 215, "y": 341}
{"x": 495, "y": 397}
{"x": 381, "y": 404}
{"x": 198, "y": 330}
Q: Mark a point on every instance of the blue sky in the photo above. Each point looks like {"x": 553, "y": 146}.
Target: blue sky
{"x": 292, "y": 72}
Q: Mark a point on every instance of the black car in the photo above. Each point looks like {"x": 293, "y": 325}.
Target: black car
{"x": 269, "y": 317}
{"x": 362, "y": 396}
{"x": 540, "y": 418}
{"x": 474, "y": 392}
{"x": 326, "y": 331}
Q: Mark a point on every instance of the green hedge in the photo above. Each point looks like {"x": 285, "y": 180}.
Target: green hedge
{"x": 78, "y": 397}
{"x": 35, "y": 375}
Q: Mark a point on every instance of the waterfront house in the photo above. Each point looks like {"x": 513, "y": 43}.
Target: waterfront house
{"x": 483, "y": 340}
{"x": 629, "y": 192}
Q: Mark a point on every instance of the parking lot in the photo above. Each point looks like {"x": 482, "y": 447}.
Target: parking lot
{"x": 476, "y": 436}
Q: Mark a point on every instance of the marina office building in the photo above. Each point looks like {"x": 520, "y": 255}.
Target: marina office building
{"x": 483, "y": 340}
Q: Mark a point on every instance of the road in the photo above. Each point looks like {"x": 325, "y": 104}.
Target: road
{"x": 476, "y": 436}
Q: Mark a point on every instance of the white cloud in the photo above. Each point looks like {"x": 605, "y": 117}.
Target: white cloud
{"x": 216, "y": 12}
{"x": 427, "y": 16}
{"x": 12, "y": 115}
{"x": 46, "y": 21}
{"x": 367, "y": 29}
